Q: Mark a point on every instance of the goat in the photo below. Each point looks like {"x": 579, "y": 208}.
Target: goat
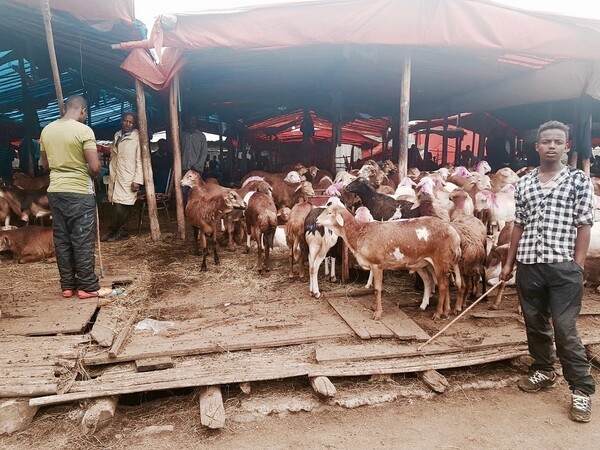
{"x": 411, "y": 244}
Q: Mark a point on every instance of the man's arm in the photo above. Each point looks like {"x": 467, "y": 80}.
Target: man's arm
{"x": 515, "y": 237}
{"x": 44, "y": 160}
{"x": 582, "y": 243}
{"x": 91, "y": 156}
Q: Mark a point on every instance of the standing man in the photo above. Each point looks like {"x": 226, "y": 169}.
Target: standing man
{"x": 126, "y": 175}
{"x": 194, "y": 151}
{"x": 68, "y": 149}
{"x": 551, "y": 236}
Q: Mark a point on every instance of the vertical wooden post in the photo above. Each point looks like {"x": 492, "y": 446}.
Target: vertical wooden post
{"x": 146, "y": 163}
{"x": 445, "y": 142}
{"x": 45, "y": 6}
{"x": 427, "y": 139}
{"x": 175, "y": 145}
{"x": 473, "y": 144}
{"x": 404, "y": 117}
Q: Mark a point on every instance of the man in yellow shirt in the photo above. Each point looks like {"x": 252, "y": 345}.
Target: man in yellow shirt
{"x": 68, "y": 149}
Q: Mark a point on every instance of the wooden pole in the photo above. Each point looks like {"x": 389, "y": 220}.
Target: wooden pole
{"x": 427, "y": 138}
{"x": 404, "y": 117}
{"x": 445, "y": 142}
{"x": 146, "y": 162}
{"x": 45, "y": 6}
{"x": 175, "y": 145}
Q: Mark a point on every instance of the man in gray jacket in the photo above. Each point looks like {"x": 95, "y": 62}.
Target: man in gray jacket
{"x": 194, "y": 150}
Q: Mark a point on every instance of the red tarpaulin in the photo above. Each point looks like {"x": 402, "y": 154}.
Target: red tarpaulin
{"x": 90, "y": 10}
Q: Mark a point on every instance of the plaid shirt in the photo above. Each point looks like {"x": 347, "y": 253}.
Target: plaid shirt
{"x": 550, "y": 221}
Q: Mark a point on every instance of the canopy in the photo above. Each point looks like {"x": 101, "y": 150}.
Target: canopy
{"x": 467, "y": 56}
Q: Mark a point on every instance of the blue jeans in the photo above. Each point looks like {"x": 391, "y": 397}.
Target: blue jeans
{"x": 553, "y": 292}
{"x": 74, "y": 226}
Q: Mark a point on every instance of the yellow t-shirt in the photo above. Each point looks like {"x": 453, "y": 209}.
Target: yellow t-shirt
{"x": 64, "y": 142}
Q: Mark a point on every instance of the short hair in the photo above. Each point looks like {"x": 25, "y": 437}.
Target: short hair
{"x": 552, "y": 125}
{"x": 75, "y": 101}
{"x": 132, "y": 114}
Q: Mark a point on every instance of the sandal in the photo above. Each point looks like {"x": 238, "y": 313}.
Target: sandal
{"x": 67, "y": 293}
{"x": 102, "y": 292}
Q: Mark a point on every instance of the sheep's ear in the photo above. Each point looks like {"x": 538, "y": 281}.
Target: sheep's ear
{"x": 339, "y": 219}
{"x": 416, "y": 204}
{"x": 4, "y": 242}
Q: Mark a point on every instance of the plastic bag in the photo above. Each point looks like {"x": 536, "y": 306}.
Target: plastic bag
{"x": 157, "y": 326}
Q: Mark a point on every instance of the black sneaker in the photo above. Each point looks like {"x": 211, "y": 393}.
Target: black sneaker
{"x": 106, "y": 236}
{"x": 581, "y": 407}
{"x": 118, "y": 236}
{"x": 537, "y": 380}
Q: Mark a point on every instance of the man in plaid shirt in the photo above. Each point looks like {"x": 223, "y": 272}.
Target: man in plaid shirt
{"x": 551, "y": 236}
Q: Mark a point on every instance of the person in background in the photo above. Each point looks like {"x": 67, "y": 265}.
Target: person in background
{"x": 68, "y": 149}
{"x": 7, "y": 154}
{"x": 551, "y": 235}
{"x": 126, "y": 176}
{"x": 466, "y": 157}
{"x": 194, "y": 150}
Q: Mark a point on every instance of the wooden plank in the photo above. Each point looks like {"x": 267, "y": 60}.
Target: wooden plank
{"x": 590, "y": 308}
{"x": 104, "y": 329}
{"x": 403, "y": 327}
{"x": 489, "y": 314}
{"x": 360, "y": 319}
{"x": 47, "y": 317}
{"x": 120, "y": 339}
{"x": 212, "y": 410}
{"x": 147, "y": 365}
{"x": 241, "y": 367}
{"x": 238, "y": 327}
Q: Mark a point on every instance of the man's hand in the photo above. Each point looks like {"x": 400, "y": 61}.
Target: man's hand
{"x": 135, "y": 187}
{"x": 506, "y": 272}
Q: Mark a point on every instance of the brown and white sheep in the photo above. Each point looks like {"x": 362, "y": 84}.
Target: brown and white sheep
{"x": 294, "y": 233}
{"x": 410, "y": 244}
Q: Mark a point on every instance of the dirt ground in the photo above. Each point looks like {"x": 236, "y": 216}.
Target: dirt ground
{"x": 481, "y": 409}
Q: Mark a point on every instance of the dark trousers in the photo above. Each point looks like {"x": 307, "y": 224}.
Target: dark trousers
{"x": 120, "y": 217}
{"x": 74, "y": 226}
{"x": 553, "y": 292}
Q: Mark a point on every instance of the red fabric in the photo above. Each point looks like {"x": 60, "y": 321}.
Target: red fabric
{"x": 91, "y": 10}
{"x": 140, "y": 65}
{"x": 474, "y": 24}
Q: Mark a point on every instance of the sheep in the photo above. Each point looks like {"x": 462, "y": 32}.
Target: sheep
{"x": 204, "y": 211}
{"x": 27, "y": 183}
{"x": 503, "y": 177}
{"x": 462, "y": 203}
{"x": 28, "y": 244}
{"x": 501, "y": 206}
{"x": 411, "y": 244}
{"x": 343, "y": 177}
{"x": 288, "y": 194}
{"x": 315, "y": 175}
{"x": 294, "y": 234}
{"x": 381, "y": 206}
{"x": 261, "y": 223}
{"x": 472, "y": 234}
{"x": 496, "y": 259}
{"x": 5, "y": 213}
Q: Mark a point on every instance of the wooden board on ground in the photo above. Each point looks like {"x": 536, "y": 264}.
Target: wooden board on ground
{"x": 403, "y": 327}
{"x": 360, "y": 319}
{"x": 147, "y": 365}
{"x": 105, "y": 327}
{"x": 237, "y": 327}
{"x": 47, "y": 317}
{"x": 489, "y": 314}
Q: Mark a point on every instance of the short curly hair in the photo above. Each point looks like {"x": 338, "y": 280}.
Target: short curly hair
{"x": 553, "y": 125}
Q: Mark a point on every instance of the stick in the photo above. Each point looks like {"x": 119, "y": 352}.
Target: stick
{"x": 45, "y": 7}
{"x": 118, "y": 343}
{"x": 460, "y": 315}
{"x": 98, "y": 242}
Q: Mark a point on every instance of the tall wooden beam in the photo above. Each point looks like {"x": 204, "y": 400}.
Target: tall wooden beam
{"x": 445, "y": 142}
{"x": 146, "y": 162}
{"x": 175, "y": 145}
{"x": 404, "y": 117}
{"x": 45, "y": 6}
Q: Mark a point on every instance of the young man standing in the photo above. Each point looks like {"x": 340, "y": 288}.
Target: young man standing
{"x": 551, "y": 236}
{"x": 68, "y": 148}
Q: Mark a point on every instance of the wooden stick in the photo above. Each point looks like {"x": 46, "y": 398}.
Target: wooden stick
{"x": 116, "y": 347}
{"x": 45, "y": 6}
{"x": 176, "y": 147}
{"x": 460, "y": 315}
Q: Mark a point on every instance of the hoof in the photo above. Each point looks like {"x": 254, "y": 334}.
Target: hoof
{"x": 494, "y": 307}
{"x": 423, "y": 306}
{"x": 203, "y": 269}
{"x": 317, "y": 295}
{"x": 377, "y": 315}
{"x": 333, "y": 279}
{"x": 456, "y": 312}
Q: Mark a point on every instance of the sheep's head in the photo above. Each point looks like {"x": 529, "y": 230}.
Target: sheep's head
{"x": 191, "y": 178}
{"x": 233, "y": 200}
{"x": 388, "y": 167}
{"x": 300, "y": 169}
{"x": 483, "y": 167}
{"x": 283, "y": 214}
{"x": 426, "y": 185}
{"x": 332, "y": 217}
{"x": 293, "y": 177}
{"x": 312, "y": 170}
{"x": 305, "y": 188}
{"x": 363, "y": 214}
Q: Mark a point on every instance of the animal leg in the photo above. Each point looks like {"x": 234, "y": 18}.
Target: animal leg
{"x": 214, "y": 244}
{"x": 378, "y": 282}
{"x": 204, "y": 251}
{"x": 370, "y": 280}
{"x": 315, "y": 275}
{"x": 332, "y": 277}
{"x": 428, "y": 286}
{"x": 196, "y": 248}
{"x": 443, "y": 306}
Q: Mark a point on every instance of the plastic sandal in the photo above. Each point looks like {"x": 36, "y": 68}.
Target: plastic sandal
{"x": 102, "y": 292}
